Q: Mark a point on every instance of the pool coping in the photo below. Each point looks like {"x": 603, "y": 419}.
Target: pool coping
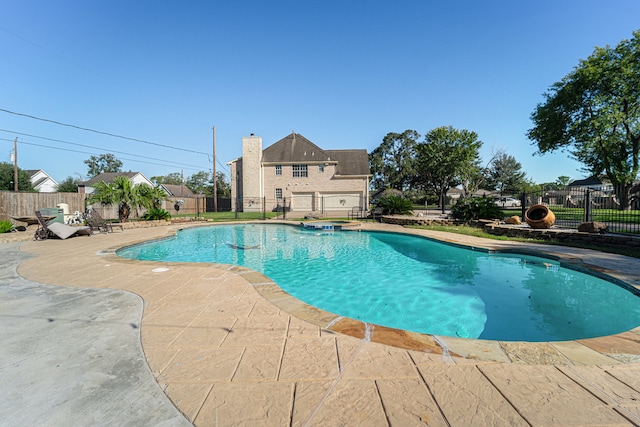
{"x": 621, "y": 348}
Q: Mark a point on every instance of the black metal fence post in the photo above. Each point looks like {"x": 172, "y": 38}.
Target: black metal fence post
{"x": 523, "y": 203}
{"x": 284, "y": 208}
{"x": 587, "y": 205}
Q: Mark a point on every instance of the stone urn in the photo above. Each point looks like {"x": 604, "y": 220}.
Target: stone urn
{"x": 539, "y": 216}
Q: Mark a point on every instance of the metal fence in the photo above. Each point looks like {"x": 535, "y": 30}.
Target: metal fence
{"x": 573, "y": 206}
{"x": 298, "y": 206}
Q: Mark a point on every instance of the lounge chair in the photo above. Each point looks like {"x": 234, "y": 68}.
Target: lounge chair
{"x": 97, "y": 223}
{"x": 56, "y": 229}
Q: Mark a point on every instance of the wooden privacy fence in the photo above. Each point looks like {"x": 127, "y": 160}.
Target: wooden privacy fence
{"x": 19, "y": 204}
{"x": 189, "y": 206}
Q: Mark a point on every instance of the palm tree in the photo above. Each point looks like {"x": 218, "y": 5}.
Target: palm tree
{"x": 123, "y": 193}
{"x": 152, "y": 196}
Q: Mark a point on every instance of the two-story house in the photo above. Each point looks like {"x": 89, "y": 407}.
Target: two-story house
{"x": 296, "y": 174}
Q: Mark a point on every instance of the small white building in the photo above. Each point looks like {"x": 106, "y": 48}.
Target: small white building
{"x": 42, "y": 182}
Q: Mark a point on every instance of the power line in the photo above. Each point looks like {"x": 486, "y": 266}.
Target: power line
{"x": 97, "y": 148}
{"x": 85, "y": 152}
{"x": 101, "y": 132}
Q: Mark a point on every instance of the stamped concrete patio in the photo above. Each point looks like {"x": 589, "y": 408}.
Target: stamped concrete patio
{"x": 228, "y": 347}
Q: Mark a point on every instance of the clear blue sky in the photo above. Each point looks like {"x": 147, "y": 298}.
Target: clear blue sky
{"x": 341, "y": 73}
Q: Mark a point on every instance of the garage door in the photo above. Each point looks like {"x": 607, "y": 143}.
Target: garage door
{"x": 302, "y": 202}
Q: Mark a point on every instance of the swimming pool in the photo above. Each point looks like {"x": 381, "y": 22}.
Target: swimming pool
{"x": 413, "y": 283}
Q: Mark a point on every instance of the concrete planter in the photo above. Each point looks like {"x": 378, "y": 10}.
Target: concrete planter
{"x": 539, "y": 216}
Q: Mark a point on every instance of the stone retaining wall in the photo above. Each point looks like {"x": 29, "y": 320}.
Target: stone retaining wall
{"x": 565, "y": 235}
{"x": 500, "y": 229}
{"x": 144, "y": 224}
{"x": 417, "y": 220}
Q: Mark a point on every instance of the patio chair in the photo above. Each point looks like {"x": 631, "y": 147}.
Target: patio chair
{"x": 56, "y": 229}
{"x": 97, "y": 223}
{"x": 376, "y": 214}
{"x": 356, "y": 212}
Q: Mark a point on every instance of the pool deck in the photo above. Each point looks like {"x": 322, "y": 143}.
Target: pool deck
{"x": 228, "y": 347}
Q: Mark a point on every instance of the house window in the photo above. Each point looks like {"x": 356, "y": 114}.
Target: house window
{"x": 320, "y": 168}
{"x": 278, "y": 169}
{"x": 300, "y": 171}
{"x": 278, "y": 193}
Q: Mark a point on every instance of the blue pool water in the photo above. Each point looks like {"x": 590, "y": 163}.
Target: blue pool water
{"x": 413, "y": 283}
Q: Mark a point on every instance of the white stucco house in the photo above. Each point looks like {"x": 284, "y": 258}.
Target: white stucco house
{"x": 298, "y": 175}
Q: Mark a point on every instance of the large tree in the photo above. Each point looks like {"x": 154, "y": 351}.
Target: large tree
{"x": 445, "y": 158}
{"x": 7, "y": 175}
{"x": 392, "y": 162}
{"x": 594, "y": 112}
{"x": 102, "y": 163}
{"x": 174, "y": 178}
{"x": 505, "y": 174}
{"x": 69, "y": 185}
{"x": 200, "y": 183}
{"x": 223, "y": 187}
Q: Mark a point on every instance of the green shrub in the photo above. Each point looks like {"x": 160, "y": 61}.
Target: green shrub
{"x": 155, "y": 214}
{"x": 5, "y": 226}
{"x": 471, "y": 208}
{"x": 395, "y": 205}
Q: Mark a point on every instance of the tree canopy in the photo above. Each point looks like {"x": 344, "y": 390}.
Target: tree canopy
{"x": 7, "y": 175}
{"x": 594, "y": 112}
{"x": 445, "y": 157}
{"x": 199, "y": 182}
{"x": 102, "y": 163}
{"x": 505, "y": 174}
{"x": 69, "y": 185}
{"x": 174, "y": 178}
{"x": 392, "y": 162}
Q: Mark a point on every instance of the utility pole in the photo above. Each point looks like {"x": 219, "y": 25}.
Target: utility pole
{"x": 15, "y": 164}
{"x": 215, "y": 177}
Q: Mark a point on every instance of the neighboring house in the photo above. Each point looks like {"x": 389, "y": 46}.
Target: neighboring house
{"x": 108, "y": 177}
{"x": 593, "y": 182}
{"x": 296, "y": 173}
{"x": 456, "y": 193}
{"x": 173, "y": 190}
{"x": 42, "y": 182}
